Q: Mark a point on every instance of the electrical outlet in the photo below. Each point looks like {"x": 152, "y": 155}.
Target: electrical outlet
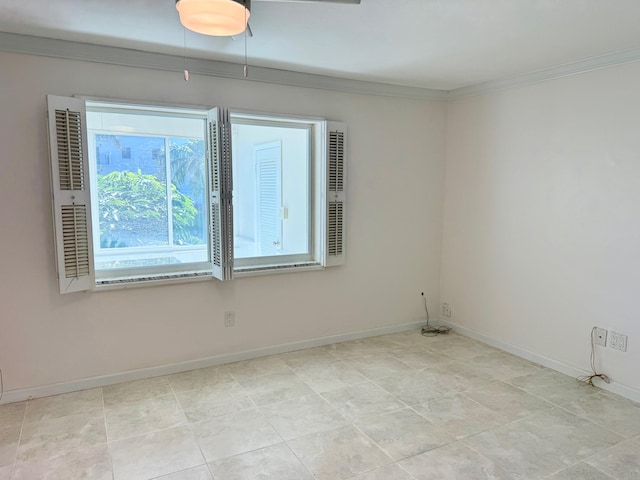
{"x": 446, "y": 310}
{"x": 618, "y": 341}
{"x": 229, "y": 319}
{"x": 600, "y": 336}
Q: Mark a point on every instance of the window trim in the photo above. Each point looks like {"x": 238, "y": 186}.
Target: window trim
{"x": 116, "y": 274}
{"x": 314, "y": 164}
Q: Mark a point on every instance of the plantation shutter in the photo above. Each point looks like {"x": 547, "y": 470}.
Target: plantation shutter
{"x": 221, "y": 203}
{"x": 336, "y": 138}
{"x": 71, "y": 195}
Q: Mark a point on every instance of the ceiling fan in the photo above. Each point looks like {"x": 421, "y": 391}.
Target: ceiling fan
{"x": 226, "y": 17}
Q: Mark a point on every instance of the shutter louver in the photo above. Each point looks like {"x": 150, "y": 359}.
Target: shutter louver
{"x": 221, "y": 205}
{"x": 71, "y": 196}
{"x": 335, "y": 195}
{"x": 75, "y": 241}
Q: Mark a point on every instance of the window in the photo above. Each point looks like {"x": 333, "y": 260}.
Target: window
{"x": 153, "y": 193}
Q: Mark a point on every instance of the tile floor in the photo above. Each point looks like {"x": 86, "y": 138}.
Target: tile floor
{"x": 395, "y": 407}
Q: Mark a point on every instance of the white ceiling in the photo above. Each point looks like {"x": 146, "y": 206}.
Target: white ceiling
{"x": 440, "y": 44}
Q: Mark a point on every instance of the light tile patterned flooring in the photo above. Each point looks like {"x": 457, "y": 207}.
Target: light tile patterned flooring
{"x": 395, "y": 407}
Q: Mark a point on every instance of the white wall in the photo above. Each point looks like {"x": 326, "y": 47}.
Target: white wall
{"x": 396, "y": 162}
{"x": 541, "y": 234}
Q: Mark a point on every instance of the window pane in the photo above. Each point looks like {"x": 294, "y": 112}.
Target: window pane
{"x": 188, "y": 178}
{"x": 132, "y": 192}
{"x": 271, "y": 189}
{"x": 150, "y": 173}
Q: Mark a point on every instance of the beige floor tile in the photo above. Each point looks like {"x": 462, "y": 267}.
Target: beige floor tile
{"x": 270, "y": 463}
{"x": 200, "y": 378}
{"x": 386, "y": 342}
{"x": 223, "y": 398}
{"x": 275, "y": 387}
{"x": 415, "y": 387}
{"x": 457, "y": 376}
{"x": 318, "y": 356}
{"x": 302, "y": 416}
{"x": 609, "y": 411}
{"x": 403, "y": 433}
{"x": 115, "y": 395}
{"x": 142, "y": 417}
{"x": 378, "y": 366}
{"x": 453, "y": 462}
{"x": 198, "y": 473}
{"x": 85, "y": 463}
{"x": 9, "y": 438}
{"x": 338, "y": 454}
{"x": 502, "y": 366}
{"x": 5, "y": 472}
{"x": 621, "y": 461}
{"x": 511, "y": 429}
{"x": 354, "y": 348}
{"x": 553, "y": 386}
{"x": 85, "y": 401}
{"x": 509, "y": 402}
{"x": 155, "y": 454}
{"x": 362, "y": 400}
{"x": 542, "y": 443}
{"x": 41, "y": 441}
{"x": 12, "y": 414}
{"x": 390, "y": 472}
{"x": 257, "y": 367}
{"x": 323, "y": 378}
{"x": 420, "y": 357}
{"x": 459, "y": 415}
{"x": 458, "y": 347}
{"x": 229, "y": 435}
{"x": 580, "y": 471}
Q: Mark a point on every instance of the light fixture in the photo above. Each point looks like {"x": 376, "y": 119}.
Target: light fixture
{"x": 214, "y": 17}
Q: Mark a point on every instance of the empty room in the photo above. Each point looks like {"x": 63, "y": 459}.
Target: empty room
{"x": 319, "y": 239}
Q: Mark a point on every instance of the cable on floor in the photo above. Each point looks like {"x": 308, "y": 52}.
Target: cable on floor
{"x": 588, "y": 379}
{"x": 430, "y": 330}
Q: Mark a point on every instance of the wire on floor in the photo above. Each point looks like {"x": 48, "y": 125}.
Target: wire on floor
{"x": 430, "y": 330}
{"x": 588, "y": 379}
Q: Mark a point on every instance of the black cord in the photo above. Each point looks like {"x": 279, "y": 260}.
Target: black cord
{"x": 428, "y": 330}
{"x": 588, "y": 379}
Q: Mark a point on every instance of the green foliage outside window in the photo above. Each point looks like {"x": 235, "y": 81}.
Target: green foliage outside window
{"x": 133, "y": 211}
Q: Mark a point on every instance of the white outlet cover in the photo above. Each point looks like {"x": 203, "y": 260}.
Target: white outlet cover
{"x": 618, "y": 341}
{"x": 600, "y": 337}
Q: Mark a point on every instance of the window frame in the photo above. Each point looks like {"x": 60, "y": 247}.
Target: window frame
{"x": 116, "y": 274}
{"x": 314, "y": 127}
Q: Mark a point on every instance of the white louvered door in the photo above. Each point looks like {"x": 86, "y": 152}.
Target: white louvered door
{"x": 268, "y": 159}
{"x": 221, "y": 192}
{"x": 335, "y": 252}
{"x": 71, "y": 195}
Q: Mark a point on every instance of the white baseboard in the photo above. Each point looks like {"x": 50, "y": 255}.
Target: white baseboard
{"x": 613, "y": 387}
{"x": 93, "y": 382}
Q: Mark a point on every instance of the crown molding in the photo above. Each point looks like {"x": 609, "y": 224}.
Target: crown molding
{"x": 559, "y": 71}
{"x": 88, "y": 52}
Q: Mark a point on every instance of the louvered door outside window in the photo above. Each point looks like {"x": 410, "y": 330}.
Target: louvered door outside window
{"x": 269, "y": 195}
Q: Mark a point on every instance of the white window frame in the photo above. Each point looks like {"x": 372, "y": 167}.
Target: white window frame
{"x": 325, "y": 226}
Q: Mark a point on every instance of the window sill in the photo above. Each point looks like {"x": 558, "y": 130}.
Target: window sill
{"x": 276, "y": 269}
{"x": 104, "y": 284}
